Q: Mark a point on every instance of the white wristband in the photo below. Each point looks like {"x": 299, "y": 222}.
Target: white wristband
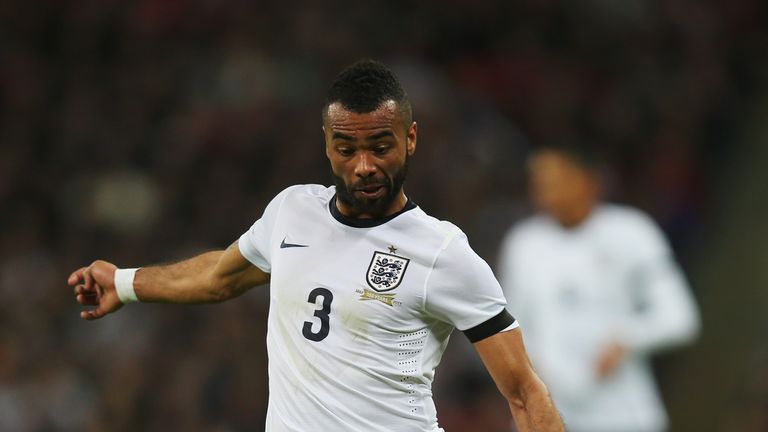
{"x": 124, "y": 285}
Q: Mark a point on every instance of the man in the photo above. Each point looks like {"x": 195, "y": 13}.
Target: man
{"x": 598, "y": 291}
{"x": 365, "y": 288}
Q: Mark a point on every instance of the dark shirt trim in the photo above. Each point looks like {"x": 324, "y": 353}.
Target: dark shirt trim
{"x": 365, "y": 223}
{"x": 489, "y": 328}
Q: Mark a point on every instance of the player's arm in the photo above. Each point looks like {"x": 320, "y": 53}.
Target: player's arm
{"x": 463, "y": 291}
{"x": 207, "y": 278}
{"x": 665, "y": 313}
{"x": 506, "y": 360}
{"x": 669, "y": 316}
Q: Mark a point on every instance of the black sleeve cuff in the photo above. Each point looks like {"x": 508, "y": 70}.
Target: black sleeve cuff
{"x": 489, "y": 328}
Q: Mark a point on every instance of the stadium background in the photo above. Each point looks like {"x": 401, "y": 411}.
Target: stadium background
{"x": 147, "y": 131}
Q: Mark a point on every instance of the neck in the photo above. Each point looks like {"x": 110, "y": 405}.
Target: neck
{"x": 576, "y": 216}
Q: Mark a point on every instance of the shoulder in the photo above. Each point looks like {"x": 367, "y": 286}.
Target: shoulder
{"x": 530, "y": 230}
{"x": 622, "y": 219}
{"x": 304, "y": 193}
{"x": 621, "y": 224}
{"x": 452, "y": 245}
{"x": 307, "y": 190}
{"x": 441, "y": 232}
{"x": 441, "y": 240}
{"x": 623, "y": 214}
{"x": 298, "y": 198}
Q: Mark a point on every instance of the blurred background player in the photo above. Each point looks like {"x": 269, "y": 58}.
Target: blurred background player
{"x": 597, "y": 290}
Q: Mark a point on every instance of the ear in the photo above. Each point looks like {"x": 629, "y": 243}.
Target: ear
{"x": 327, "y": 146}
{"x": 410, "y": 144}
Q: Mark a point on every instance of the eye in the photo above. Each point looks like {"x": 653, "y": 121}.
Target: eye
{"x": 381, "y": 150}
{"x": 345, "y": 151}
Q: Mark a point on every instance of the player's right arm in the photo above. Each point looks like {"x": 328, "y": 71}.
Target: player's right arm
{"x": 207, "y": 278}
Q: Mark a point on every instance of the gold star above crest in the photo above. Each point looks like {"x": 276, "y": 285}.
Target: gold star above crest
{"x": 392, "y": 249}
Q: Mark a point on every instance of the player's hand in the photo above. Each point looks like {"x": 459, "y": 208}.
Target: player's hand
{"x": 610, "y": 359}
{"x": 95, "y": 286}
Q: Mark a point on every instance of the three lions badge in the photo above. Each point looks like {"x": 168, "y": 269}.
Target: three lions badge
{"x": 386, "y": 271}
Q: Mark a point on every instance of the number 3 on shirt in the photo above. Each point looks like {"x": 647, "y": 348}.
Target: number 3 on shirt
{"x": 322, "y": 313}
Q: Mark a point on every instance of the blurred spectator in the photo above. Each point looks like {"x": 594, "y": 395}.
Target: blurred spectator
{"x": 597, "y": 291}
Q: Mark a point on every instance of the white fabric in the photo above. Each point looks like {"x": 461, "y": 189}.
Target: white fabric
{"x": 612, "y": 278}
{"x": 374, "y": 368}
{"x": 124, "y": 285}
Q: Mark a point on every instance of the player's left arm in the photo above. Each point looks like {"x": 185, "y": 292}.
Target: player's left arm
{"x": 668, "y": 316}
{"x": 463, "y": 292}
{"x": 665, "y": 314}
{"x": 506, "y": 360}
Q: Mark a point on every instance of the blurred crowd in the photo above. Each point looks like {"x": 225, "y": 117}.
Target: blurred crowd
{"x": 147, "y": 131}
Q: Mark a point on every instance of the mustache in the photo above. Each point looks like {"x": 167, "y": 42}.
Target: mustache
{"x": 368, "y": 182}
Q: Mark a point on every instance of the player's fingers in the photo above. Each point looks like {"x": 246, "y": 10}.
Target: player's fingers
{"x": 86, "y": 293}
{"x": 88, "y": 278}
{"x": 92, "y": 314}
{"x": 87, "y": 300}
{"x": 81, "y": 289}
{"x": 76, "y": 276}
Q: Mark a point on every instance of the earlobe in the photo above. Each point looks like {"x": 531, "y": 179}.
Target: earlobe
{"x": 412, "y": 134}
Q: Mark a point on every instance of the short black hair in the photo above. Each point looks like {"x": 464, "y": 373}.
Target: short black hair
{"x": 363, "y": 86}
{"x": 584, "y": 155}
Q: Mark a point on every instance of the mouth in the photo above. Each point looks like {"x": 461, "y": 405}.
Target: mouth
{"x": 371, "y": 191}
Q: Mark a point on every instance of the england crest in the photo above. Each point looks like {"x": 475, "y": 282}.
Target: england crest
{"x": 386, "y": 271}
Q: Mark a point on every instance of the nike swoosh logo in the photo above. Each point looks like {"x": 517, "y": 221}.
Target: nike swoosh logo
{"x": 284, "y": 245}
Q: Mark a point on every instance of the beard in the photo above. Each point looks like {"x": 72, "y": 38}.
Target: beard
{"x": 376, "y": 207}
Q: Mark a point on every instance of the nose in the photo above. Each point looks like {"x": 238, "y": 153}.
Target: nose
{"x": 364, "y": 166}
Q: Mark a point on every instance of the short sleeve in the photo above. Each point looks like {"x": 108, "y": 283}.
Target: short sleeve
{"x": 463, "y": 291}
{"x": 255, "y": 243}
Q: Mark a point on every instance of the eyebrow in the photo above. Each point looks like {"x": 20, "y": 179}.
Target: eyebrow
{"x": 381, "y": 134}
{"x": 374, "y": 137}
{"x": 340, "y": 135}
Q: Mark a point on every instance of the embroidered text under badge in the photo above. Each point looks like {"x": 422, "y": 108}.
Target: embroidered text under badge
{"x": 387, "y": 299}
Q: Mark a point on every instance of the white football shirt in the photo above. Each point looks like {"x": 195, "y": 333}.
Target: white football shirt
{"x": 576, "y": 290}
{"x": 361, "y": 311}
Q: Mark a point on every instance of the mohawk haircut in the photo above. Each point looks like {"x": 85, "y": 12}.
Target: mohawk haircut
{"x": 363, "y": 86}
